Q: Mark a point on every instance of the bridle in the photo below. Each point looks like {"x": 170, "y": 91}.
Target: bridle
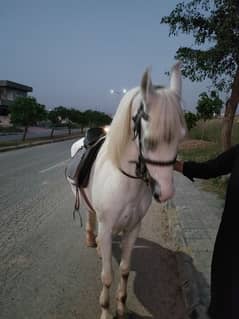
{"x": 141, "y": 171}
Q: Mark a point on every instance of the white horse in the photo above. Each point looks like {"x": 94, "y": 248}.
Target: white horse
{"x": 134, "y": 164}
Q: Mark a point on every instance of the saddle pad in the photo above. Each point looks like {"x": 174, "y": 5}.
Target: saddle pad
{"x": 79, "y": 166}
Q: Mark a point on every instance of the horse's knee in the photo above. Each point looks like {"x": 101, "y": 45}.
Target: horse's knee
{"x": 124, "y": 268}
{"x": 107, "y": 278}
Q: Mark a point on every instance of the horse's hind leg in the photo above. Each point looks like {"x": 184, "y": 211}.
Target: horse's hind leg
{"x": 128, "y": 242}
{"x": 105, "y": 242}
{"x": 90, "y": 229}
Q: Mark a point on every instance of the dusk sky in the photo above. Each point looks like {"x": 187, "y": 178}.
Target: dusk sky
{"x": 72, "y": 52}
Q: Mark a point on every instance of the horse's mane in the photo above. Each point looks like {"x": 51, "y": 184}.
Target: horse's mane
{"x": 165, "y": 123}
{"x": 168, "y": 118}
{"x": 120, "y": 130}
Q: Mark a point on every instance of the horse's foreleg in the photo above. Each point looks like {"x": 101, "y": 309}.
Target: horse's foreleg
{"x": 90, "y": 229}
{"x": 127, "y": 247}
{"x": 105, "y": 242}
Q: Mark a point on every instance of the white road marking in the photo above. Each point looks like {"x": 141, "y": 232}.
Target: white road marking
{"x": 53, "y": 167}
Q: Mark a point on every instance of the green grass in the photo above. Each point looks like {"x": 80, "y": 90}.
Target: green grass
{"x": 210, "y": 131}
{"x": 200, "y": 154}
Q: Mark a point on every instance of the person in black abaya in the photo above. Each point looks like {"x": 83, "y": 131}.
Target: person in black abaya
{"x": 225, "y": 265}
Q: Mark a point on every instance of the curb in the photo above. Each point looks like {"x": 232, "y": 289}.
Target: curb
{"x": 188, "y": 277}
{"x": 31, "y": 144}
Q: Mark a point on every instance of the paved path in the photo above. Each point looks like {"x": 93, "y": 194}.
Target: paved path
{"x": 194, "y": 224}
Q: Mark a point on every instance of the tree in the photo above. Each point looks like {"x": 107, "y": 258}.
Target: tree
{"x": 214, "y": 24}
{"x": 208, "y": 106}
{"x": 53, "y": 116}
{"x": 63, "y": 112}
{"x": 74, "y": 116}
{"x": 95, "y": 118}
{"x": 26, "y": 111}
{"x": 191, "y": 119}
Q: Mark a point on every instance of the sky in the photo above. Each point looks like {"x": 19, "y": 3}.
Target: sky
{"x": 73, "y": 52}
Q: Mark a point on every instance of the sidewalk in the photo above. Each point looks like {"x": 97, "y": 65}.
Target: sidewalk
{"x": 194, "y": 218}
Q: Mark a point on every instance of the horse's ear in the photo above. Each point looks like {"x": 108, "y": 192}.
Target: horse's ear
{"x": 146, "y": 85}
{"x": 176, "y": 78}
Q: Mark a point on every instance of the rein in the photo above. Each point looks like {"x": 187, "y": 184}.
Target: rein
{"x": 141, "y": 171}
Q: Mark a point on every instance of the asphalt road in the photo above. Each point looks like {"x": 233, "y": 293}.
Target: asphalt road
{"x": 45, "y": 269}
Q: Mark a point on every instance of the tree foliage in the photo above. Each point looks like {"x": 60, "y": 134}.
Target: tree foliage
{"x": 88, "y": 118}
{"x": 25, "y": 111}
{"x": 209, "y": 105}
{"x": 191, "y": 119}
{"x": 214, "y": 25}
{"x": 62, "y": 112}
{"x": 95, "y": 118}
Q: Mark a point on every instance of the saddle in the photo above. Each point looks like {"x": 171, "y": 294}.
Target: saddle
{"x": 79, "y": 166}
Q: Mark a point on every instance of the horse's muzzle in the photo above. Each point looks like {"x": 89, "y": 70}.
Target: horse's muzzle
{"x": 155, "y": 189}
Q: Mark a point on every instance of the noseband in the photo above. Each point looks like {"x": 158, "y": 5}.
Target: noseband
{"x": 141, "y": 170}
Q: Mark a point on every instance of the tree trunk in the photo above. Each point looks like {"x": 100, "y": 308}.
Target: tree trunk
{"x": 52, "y": 131}
{"x": 230, "y": 110}
{"x": 25, "y": 133}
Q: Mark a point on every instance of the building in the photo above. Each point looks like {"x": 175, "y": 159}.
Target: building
{"x": 9, "y": 91}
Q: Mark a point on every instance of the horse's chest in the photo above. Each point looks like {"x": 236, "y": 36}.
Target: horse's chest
{"x": 129, "y": 218}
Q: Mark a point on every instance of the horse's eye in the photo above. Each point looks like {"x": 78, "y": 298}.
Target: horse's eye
{"x": 150, "y": 144}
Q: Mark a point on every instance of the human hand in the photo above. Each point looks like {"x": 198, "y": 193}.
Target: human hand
{"x": 178, "y": 166}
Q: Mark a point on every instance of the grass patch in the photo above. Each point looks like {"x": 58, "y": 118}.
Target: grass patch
{"x": 211, "y": 131}
{"x": 203, "y": 153}
{"x": 200, "y": 153}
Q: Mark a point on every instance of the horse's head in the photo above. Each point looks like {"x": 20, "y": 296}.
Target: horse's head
{"x": 159, "y": 124}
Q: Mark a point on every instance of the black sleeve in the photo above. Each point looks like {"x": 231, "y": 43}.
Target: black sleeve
{"x": 221, "y": 165}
